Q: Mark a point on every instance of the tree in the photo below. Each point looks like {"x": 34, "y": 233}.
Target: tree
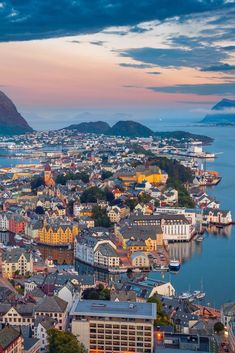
{"x": 105, "y": 174}
{"x": 37, "y": 181}
{"x": 40, "y": 210}
{"x": 98, "y": 293}
{"x": 63, "y": 342}
{"x": 218, "y": 327}
{"x": 162, "y": 318}
{"x": 100, "y": 217}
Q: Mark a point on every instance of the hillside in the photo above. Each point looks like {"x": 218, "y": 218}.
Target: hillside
{"x": 92, "y": 127}
{"x": 11, "y": 122}
{"x": 183, "y": 135}
{"x": 130, "y": 129}
{"x": 223, "y": 113}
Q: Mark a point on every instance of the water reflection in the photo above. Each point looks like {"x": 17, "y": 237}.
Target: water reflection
{"x": 60, "y": 256}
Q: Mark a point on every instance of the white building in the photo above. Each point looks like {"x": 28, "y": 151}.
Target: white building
{"x": 4, "y": 223}
{"x": 107, "y": 326}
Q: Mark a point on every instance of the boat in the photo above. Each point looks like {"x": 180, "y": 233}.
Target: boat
{"x": 199, "y": 294}
{"x": 200, "y": 238}
{"x": 186, "y": 296}
{"x": 174, "y": 265}
{"x": 160, "y": 268}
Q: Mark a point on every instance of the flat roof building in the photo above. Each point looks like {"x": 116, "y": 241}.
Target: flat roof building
{"x": 110, "y": 327}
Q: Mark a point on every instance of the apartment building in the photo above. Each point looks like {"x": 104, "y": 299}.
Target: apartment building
{"x": 16, "y": 261}
{"x": 112, "y": 327}
{"x": 11, "y": 340}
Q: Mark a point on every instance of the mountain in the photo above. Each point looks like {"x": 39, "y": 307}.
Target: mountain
{"x": 223, "y": 113}
{"x": 11, "y": 122}
{"x": 130, "y": 128}
{"x": 93, "y": 127}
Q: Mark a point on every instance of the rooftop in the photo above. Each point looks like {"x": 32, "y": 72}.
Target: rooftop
{"x": 105, "y": 308}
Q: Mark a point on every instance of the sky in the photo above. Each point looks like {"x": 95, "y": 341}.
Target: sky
{"x": 68, "y": 61}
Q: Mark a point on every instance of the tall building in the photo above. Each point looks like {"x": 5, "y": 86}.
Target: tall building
{"x": 114, "y": 327}
{"x": 58, "y": 233}
{"x": 48, "y": 177}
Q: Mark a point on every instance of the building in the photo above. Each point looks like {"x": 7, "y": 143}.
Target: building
{"x": 217, "y": 216}
{"x": 4, "y": 223}
{"x": 55, "y": 308}
{"x": 58, "y": 233}
{"x": 110, "y": 327}
{"x": 48, "y": 177}
{"x": 227, "y": 313}
{"x": 41, "y": 326}
{"x": 140, "y": 260}
{"x": 19, "y": 315}
{"x": 11, "y": 340}
{"x": 231, "y": 335}
{"x": 151, "y": 174}
{"x": 16, "y": 223}
{"x": 16, "y": 261}
{"x": 97, "y": 251}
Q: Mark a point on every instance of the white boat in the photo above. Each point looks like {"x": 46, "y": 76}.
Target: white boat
{"x": 174, "y": 265}
{"x": 199, "y": 294}
{"x": 186, "y": 296}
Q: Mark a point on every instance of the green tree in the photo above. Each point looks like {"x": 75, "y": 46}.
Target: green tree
{"x": 100, "y": 217}
{"x": 63, "y": 342}
{"x": 37, "y": 181}
{"x": 162, "y": 318}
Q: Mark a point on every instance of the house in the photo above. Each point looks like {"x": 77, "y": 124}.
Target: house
{"x": 41, "y": 326}
{"x": 16, "y": 261}
{"x": 55, "y": 308}
{"x": 140, "y": 260}
{"x": 217, "y": 216}
{"x": 58, "y": 232}
{"x": 122, "y": 296}
{"x": 11, "y": 340}
{"x": 18, "y": 315}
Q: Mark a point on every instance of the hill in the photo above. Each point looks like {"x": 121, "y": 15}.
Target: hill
{"x": 130, "y": 128}
{"x": 183, "y": 135}
{"x": 11, "y": 122}
{"x": 92, "y": 127}
{"x": 223, "y": 113}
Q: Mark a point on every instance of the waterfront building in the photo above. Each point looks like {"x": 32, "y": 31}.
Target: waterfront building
{"x": 110, "y": 327}
{"x": 16, "y": 223}
{"x": 16, "y": 261}
{"x": 217, "y": 216}
{"x": 11, "y": 340}
{"x": 175, "y": 227}
{"x": 58, "y": 233}
{"x": 97, "y": 251}
{"x": 140, "y": 260}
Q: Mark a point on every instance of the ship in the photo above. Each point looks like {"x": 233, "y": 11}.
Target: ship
{"x": 174, "y": 265}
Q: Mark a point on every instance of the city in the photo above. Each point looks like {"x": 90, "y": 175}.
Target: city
{"x": 117, "y": 214}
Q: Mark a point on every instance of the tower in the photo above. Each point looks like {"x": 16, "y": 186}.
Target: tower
{"x": 48, "y": 177}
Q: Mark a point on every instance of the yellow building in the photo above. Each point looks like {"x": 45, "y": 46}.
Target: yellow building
{"x": 58, "y": 233}
{"x": 152, "y": 174}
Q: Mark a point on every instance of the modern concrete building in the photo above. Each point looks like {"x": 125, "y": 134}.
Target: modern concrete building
{"x": 111, "y": 327}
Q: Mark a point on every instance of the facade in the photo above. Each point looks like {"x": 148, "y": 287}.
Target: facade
{"x": 41, "y": 326}
{"x": 110, "y": 327}
{"x": 227, "y": 313}
{"x": 97, "y": 251}
{"x": 16, "y": 224}
{"x": 19, "y": 315}
{"x": 216, "y": 216}
{"x": 16, "y": 261}
{"x": 140, "y": 260}
{"x": 58, "y": 233}
{"x": 141, "y": 174}
{"x": 11, "y": 340}
{"x": 55, "y": 308}
{"x": 4, "y": 223}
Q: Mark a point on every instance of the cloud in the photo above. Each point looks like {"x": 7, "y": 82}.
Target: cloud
{"x": 222, "y": 67}
{"x": 98, "y": 42}
{"x": 206, "y": 89}
{"x": 40, "y": 19}
{"x": 154, "y": 73}
{"x": 177, "y": 57}
{"x": 136, "y": 66}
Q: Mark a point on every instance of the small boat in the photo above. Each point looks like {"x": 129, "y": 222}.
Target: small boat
{"x": 199, "y": 294}
{"x": 186, "y": 296}
{"x": 174, "y": 265}
{"x": 200, "y": 239}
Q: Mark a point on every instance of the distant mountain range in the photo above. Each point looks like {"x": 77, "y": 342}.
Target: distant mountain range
{"x": 223, "y": 113}
{"x": 11, "y": 122}
{"x": 131, "y": 128}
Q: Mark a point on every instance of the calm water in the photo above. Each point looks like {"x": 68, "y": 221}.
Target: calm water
{"x": 211, "y": 262}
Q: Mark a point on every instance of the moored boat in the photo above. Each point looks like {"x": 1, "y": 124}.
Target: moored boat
{"x": 174, "y": 265}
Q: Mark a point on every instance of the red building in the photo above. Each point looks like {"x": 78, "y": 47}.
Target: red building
{"x": 11, "y": 340}
{"x": 17, "y": 224}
